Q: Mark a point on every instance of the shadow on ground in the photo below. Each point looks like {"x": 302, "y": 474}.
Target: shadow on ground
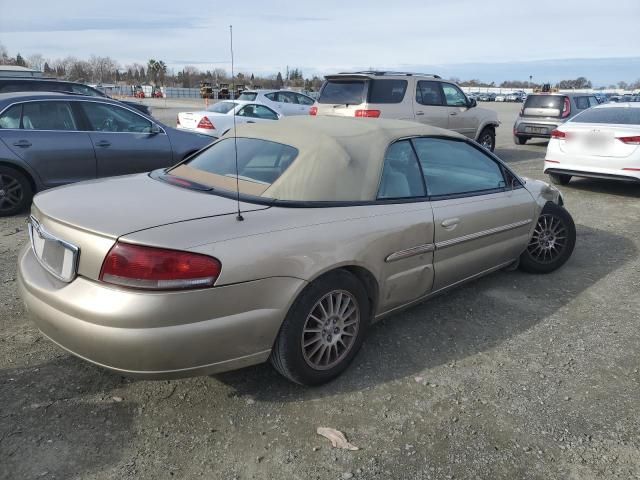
{"x": 519, "y": 154}
{"x": 609, "y": 187}
{"x": 61, "y": 412}
{"x": 471, "y": 319}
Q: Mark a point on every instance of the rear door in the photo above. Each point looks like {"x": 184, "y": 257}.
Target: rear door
{"x": 429, "y": 107}
{"x": 254, "y": 113}
{"x": 479, "y": 224}
{"x": 45, "y": 134}
{"x": 124, "y": 141}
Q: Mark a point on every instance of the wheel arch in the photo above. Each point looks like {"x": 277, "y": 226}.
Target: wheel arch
{"x": 489, "y": 123}
{"x": 28, "y": 174}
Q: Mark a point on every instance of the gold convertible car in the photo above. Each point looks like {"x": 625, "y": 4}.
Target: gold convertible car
{"x": 324, "y": 226}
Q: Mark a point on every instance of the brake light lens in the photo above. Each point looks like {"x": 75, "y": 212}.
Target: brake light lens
{"x": 206, "y": 123}
{"x": 558, "y": 135}
{"x": 151, "y": 268}
{"x": 566, "y": 109}
{"x": 367, "y": 113}
{"x": 313, "y": 111}
{"x": 635, "y": 140}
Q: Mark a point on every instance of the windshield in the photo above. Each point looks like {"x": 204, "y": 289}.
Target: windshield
{"x": 260, "y": 163}
{"x": 343, "y": 92}
{"x": 248, "y": 96}
{"x": 613, "y": 115}
{"x": 221, "y": 107}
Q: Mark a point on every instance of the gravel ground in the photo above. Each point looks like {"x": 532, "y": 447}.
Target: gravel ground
{"x": 514, "y": 376}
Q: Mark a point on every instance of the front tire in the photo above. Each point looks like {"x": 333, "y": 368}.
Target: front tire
{"x": 552, "y": 242}
{"x": 323, "y": 330}
{"x": 559, "y": 179}
{"x": 487, "y": 138}
{"x": 15, "y": 191}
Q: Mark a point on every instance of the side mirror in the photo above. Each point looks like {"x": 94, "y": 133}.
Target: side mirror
{"x": 155, "y": 129}
{"x": 472, "y": 103}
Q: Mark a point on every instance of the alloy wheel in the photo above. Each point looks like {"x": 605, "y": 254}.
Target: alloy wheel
{"x": 330, "y": 330}
{"x": 549, "y": 239}
{"x": 11, "y": 192}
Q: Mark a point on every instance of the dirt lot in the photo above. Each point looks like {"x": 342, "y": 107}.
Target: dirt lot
{"x": 514, "y": 376}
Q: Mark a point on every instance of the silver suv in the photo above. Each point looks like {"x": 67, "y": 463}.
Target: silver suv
{"x": 416, "y": 97}
{"x": 542, "y": 113}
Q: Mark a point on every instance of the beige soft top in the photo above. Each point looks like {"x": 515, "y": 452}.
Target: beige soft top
{"x": 339, "y": 159}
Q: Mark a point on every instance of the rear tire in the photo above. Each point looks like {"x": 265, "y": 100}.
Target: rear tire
{"x": 323, "y": 331}
{"x": 520, "y": 140}
{"x": 487, "y": 138}
{"x": 559, "y": 178}
{"x": 15, "y": 191}
{"x": 552, "y": 242}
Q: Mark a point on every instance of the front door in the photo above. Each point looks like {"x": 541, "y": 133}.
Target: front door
{"x": 124, "y": 141}
{"x": 462, "y": 119}
{"x": 45, "y": 135}
{"x": 479, "y": 222}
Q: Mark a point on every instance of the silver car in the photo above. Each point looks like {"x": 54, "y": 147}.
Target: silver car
{"x": 321, "y": 227}
{"x": 285, "y": 102}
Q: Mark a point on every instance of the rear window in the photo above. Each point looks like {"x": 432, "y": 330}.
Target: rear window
{"x": 387, "y": 91}
{"x": 260, "y": 163}
{"x": 248, "y": 96}
{"x": 614, "y": 115}
{"x": 545, "y": 101}
{"x": 221, "y": 107}
{"x": 343, "y": 92}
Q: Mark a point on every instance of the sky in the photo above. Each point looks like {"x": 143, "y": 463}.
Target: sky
{"x": 493, "y": 40}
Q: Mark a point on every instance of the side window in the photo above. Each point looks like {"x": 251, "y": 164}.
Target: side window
{"x": 453, "y": 167}
{"x": 401, "y": 177}
{"x": 265, "y": 112}
{"x": 287, "y": 97}
{"x": 273, "y": 96}
{"x": 582, "y": 103}
{"x": 428, "y": 93}
{"x": 11, "y": 117}
{"x": 248, "y": 111}
{"x": 593, "y": 101}
{"x": 84, "y": 90}
{"x": 47, "y": 116}
{"x": 111, "y": 118}
{"x": 387, "y": 91}
{"x": 302, "y": 100}
{"x": 454, "y": 96}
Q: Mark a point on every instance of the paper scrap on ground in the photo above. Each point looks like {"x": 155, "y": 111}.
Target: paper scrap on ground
{"x": 338, "y": 440}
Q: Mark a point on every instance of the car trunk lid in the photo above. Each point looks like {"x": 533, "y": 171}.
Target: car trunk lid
{"x": 594, "y": 140}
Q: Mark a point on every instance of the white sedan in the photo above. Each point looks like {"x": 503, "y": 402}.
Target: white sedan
{"x": 601, "y": 142}
{"x": 285, "y": 102}
{"x": 218, "y": 118}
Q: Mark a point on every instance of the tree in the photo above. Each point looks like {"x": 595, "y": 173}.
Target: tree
{"x": 623, "y": 85}
{"x": 279, "y": 81}
{"x": 36, "y": 62}
{"x": 580, "y": 82}
{"x": 20, "y": 61}
{"x": 47, "y": 69}
{"x": 4, "y": 55}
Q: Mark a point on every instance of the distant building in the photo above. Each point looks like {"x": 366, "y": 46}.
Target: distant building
{"x": 16, "y": 71}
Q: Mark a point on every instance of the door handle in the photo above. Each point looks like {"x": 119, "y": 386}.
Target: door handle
{"x": 419, "y": 113}
{"x": 453, "y": 113}
{"x": 450, "y": 223}
{"x": 22, "y": 143}
{"x": 103, "y": 143}
{"x": 251, "y": 121}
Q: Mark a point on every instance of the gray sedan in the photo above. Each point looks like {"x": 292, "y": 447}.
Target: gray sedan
{"x": 50, "y": 139}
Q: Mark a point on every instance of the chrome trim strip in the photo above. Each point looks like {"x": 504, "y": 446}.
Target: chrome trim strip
{"x": 32, "y": 225}
{"x": 484, "y": 233}
{"x": 410, "y": 252}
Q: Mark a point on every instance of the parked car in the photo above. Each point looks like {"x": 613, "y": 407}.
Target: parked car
{"x": 323, "y": 226}
{"x": 407, "y": 96}
{"x": 602, "y": 142}
{"x": 13, "y": 84}
{"x": 49, "y": 139}
{"x": 286, "y": 102}
{"x": 512, "y": 97}
{"x": 500, "y": 98}
{"x": 218, "y": 119}
{"x": 542, "y": 113}
{"x": 486, "y": 97}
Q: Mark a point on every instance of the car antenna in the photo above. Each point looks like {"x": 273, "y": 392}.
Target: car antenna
{"x": 239, "y": 216}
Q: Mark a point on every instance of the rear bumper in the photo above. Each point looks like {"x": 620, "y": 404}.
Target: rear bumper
{"x": 203, "y": 131}
{"x": 157, "y": 335}
{"x": 626, "y": 176}
{"x": 521, "y": 126}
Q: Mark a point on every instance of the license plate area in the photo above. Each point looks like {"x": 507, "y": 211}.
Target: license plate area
{"x": 539, "y": 130}
{"x": 58, "y": 257}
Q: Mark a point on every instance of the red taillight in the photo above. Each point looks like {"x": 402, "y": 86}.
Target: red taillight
{"x": 367, "y": 113}
{"x": 206, "y": 123}
{"x": 153, "y": 268}
{"x": 566, "y": 109}
{"x": 313, "y": 111}
{"x": 635, "y": 140}
{"x": 558, "y": 135}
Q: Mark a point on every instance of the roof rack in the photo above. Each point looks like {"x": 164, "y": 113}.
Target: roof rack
{"x": 386, "y": 72}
